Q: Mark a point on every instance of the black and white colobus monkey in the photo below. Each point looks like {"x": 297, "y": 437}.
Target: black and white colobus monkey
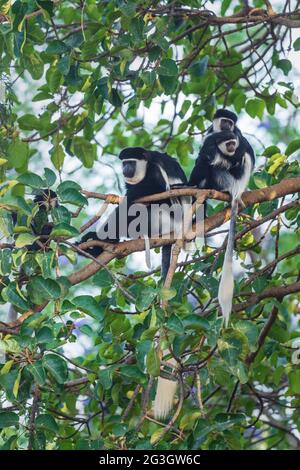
{"x": 145, "y": 172}
{"x": 46, "y": 199}
{"x": 225, "y": 163}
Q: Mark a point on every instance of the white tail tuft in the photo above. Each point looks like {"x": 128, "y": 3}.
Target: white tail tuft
{"x": 164, "y": 397}
{"x": 226, "y": 288}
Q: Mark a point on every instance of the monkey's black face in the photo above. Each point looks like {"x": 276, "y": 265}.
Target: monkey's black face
{"x": 129, "y": 168}
{"x": 228, "y": 147}
{"x": 231, "y": 146}
{"x": 134, "y": 170}
{"x": 226, "y": 124}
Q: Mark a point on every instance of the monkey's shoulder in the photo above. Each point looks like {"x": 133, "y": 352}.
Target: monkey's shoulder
{"x": 170, "y": 165}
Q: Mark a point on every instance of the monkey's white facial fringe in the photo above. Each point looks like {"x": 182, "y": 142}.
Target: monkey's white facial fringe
{"x": 223, "y": 148}
{"x": 165, "y": 394}
{"x": 217, "y": 124}
{"x": 140, "y": 172}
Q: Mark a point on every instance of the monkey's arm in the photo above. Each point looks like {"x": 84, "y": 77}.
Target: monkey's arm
{"x": 245, "y": 146}
{"x": 200, "y": 175}
{"x": 104, "y": 236}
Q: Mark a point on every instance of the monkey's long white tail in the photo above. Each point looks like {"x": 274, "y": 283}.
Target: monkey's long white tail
{"x": 165, "y": 393}
{"x": 147, "y": 252}
{"x": 226, "y": 286}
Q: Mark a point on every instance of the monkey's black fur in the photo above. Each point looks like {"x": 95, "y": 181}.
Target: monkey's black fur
{"x": 225, "y": 163}
{"x": 225, "y": 113}
{"x": 159, "y": 167}
{"x": 40, "y": 224}
{"x": 207, "y": 175}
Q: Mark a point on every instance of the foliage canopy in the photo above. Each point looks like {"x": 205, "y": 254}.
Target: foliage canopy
{"x": 80, "y": 365}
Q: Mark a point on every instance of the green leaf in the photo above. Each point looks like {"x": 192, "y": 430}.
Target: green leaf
{"x": 47, "y": 422}
{"x": 136, "y": 27}
{"x": 57, "y": 156}
{"x": 132, "y": 372}
{"x": 61, "y": 214}
{"x": 89, "y": 305}
{"x": 199, "y": 68}
{"x": 44, "y": 335}
{"x": 56, "y": 366}
{"x": 145, "y": 298}
{"x": 128, "y": 8}
{"x": 103, "y": 279}
{"x": 296, "y": 44}
{"x": 233, "y": 345}
{"x": 54, "y": 79}
{"x": 45, "y": 261}
{"x": 57, "y": 47}
{"x": 63, "y": 65}
{"x": 25, "y": 239}
{"x": 294, "y": 381}
{"x": 15, "y": 298}
{"x": 271, "y": 150}
{"x": 37, "y": 371}
{"x": 285, "y": 65}
{"x": 17, "y": 384}
{"x": 31, "y": 179}
{"x": 68, "y": 185}
{"x": 47, "y": 289}
{"x": 50, "y": 177}
{"x": 225, "y": 6}
{"x": 292, "y": 147}
{"x": 195, "y": 322}
{"x": 18, "y": 154}
{"x": 29, "y": 122}
{"x": 255, "y": 107}
{"x": 169, "y": 84}
{"x": 249, "y": 329}
{"x": 73, "y": 196}
{"x": 5, "y": 260}
{"x": 168, "y": 68}
{"x": 84, "y": 150}
{"x": 34, "y": 64}
{"x": 153, "y": 362}
{"x": 8, "y": 418}
{"x": 167, "y": 294}
{"x": 105, "y": 378}
{"x": 279, "y": 332}
{"x": 154, "y": 53}
{"x": 175, "y": 324}
{"x": 64, "y": 230}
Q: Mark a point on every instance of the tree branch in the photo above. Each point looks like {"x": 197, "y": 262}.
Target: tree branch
{"x": 287, "y": 186}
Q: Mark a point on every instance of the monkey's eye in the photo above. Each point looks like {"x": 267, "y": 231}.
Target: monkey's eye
{"x": 227, "y": 125}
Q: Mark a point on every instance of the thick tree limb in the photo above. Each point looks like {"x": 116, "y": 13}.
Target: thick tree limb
{"x": 275, "y": 292}
{"x": 254, "y": 16}
{"x": 285, "y": 187}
